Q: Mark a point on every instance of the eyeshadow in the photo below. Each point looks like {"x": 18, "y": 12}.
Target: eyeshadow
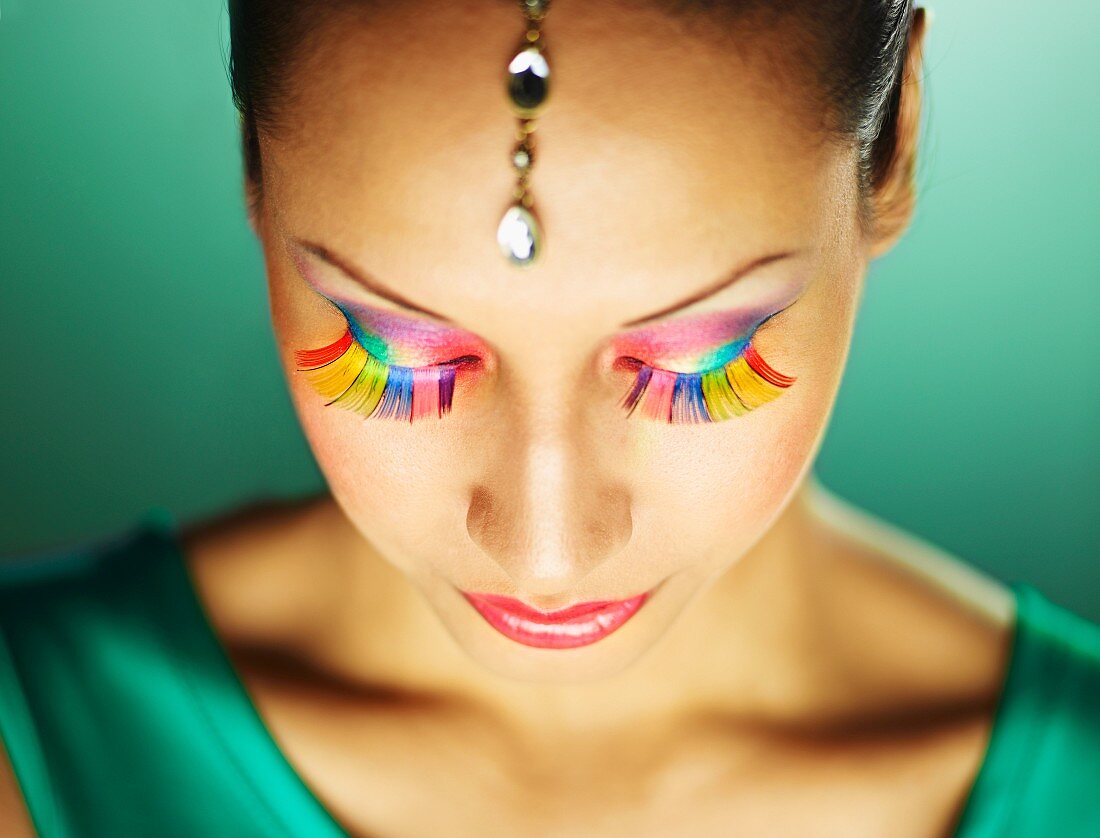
{"x": 704, "y": 341}
{"x": 392, "y": 338}
{"x": 694, "y": 343}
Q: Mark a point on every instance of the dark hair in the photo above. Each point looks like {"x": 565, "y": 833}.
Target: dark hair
{"x": 861, "y": 46}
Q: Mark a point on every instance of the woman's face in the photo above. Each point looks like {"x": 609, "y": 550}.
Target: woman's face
{"x": 665, "y": 164}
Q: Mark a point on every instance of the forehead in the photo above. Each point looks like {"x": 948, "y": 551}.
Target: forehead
{"x": 662, "y": 157}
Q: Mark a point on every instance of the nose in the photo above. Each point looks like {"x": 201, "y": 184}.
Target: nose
{"x": 549, "y": 508}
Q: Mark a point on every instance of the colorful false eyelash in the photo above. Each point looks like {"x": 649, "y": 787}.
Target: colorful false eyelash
{"x": 352, "y": 378}
{"x": 741, "y": 385}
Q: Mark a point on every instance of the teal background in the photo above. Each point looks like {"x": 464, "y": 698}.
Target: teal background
{"x": 138, "y": 365}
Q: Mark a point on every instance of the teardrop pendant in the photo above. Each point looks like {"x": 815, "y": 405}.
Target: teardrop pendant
{"x": 519, "y": 236}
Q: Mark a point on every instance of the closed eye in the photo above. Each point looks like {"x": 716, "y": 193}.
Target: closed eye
{"x": 723, "y": 392}
{"x": 352, "y": 378}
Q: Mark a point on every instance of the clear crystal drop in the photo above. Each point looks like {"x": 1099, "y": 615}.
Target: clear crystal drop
{"x": 518, "y": 235}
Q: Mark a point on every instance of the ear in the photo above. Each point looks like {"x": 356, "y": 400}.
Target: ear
{"x": 251, "y": 185}
{"x": 253, "y": 204}
{"x": 895, "y": 196}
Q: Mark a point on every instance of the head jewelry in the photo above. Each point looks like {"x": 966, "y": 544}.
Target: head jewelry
{"x": 519, "y": 233}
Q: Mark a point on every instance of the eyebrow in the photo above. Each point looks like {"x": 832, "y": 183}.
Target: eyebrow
{"x": 380, "y": 290}
{"x": 719, "y": 285}
{"x": 366, "y": 280}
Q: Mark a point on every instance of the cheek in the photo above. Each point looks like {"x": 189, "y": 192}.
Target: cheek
{"x": 397, "y": 483}
{"x": 711, "y": 491}
{"x": 709, "y": 496}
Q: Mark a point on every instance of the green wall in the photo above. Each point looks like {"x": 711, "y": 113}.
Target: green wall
{"x": 138, "y": 365}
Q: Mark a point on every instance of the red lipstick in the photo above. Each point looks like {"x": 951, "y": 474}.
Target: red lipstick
{"x": 566, "y": 628}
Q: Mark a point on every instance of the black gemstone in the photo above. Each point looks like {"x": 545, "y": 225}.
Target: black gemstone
{"x": 528, "y": 79}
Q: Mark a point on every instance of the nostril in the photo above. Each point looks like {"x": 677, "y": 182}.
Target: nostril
{"x": 479, "y": 515}
{"x": 547, "y": 543}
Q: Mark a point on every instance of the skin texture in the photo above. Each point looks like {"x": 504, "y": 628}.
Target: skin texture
{"x": 792, "y": 673}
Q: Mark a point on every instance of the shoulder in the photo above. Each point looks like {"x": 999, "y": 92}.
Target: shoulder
{"x": 255, "y": 567}
{"x": 917, "y": 569}
{"x": 1072, "y": 637}
{"x": 1029, "y": 665}
{"x": 78, "y": 582}
{"x": 1042, "y": 767}
{"x": 15, "y": 821}
{"x": 40, "y": 586}
{"x": 929, "y": 630}
{"x": 1056, "y": 677}
{"x": 93, "y": 636}
{"x": 104, "y": 653}
{"x": 51, "y": 602}
{"x": 43, "y": 585}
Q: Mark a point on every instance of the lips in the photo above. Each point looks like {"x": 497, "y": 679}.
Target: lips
{"x": 577, "y": 625}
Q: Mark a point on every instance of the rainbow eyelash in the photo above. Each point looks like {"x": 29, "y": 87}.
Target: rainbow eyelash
{"x": 733, "y": 389}
{"x": 352, "y": 378}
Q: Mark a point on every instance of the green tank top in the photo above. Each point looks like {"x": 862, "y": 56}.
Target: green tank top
{"x": 123, "y": 716}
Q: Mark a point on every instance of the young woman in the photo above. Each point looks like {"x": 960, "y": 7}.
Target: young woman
{"x": 573, "y": 575}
